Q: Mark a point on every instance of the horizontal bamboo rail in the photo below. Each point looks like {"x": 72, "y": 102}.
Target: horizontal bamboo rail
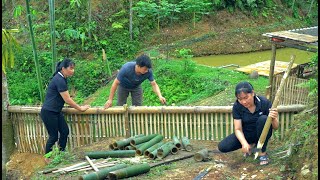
{"x": 195, "y": 122}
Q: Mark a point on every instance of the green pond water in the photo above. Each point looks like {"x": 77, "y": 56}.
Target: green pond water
{"x": 245, "y": 59}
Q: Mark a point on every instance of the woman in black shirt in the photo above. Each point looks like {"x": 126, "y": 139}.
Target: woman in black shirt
{"x": 51, "y": 111}
{"x": 250, "y": 113}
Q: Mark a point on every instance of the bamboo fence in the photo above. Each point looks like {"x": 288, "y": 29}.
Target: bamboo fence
{"x": 195, "y": 122}
{"x": 292, "y": 93}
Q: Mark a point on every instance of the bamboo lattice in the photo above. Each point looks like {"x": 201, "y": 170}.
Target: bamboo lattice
{"x": 198, "y": 123}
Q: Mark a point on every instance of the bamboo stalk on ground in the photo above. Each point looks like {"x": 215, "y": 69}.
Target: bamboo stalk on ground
{"x": 274, "y": 105}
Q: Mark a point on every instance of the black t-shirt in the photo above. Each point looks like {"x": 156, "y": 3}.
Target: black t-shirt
{"x": 54, "y": 101}
{"x": 247, "y": 118}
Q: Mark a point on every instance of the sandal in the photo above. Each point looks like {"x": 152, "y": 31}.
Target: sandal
{"x": 264, "y": 160}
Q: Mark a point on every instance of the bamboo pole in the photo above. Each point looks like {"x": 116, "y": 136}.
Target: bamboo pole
{"x": 91, "y": 164}
{"x": 207, "y": 127}
{"x": 274, "y": 105}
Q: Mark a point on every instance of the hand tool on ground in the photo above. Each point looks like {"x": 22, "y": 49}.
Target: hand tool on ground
{"x": 274, "y": 105}
{"x": 203, "y": 173}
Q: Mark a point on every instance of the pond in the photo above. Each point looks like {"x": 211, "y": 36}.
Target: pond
{"x": 245, "y": 59}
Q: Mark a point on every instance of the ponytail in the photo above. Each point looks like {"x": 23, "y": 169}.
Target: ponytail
{"x": 64, "y": 63}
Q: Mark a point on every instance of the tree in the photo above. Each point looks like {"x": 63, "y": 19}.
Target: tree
{"x": 9, "y": 44}
{"x": 35, "y": 53}
{"x": 53, "y": 35}
{"x": 196, "y": 7}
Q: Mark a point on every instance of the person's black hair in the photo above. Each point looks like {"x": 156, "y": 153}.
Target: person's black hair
{"x": 144, "y": 61}
{"x": 244, "y": 87}
{"x": 64, "y": 63}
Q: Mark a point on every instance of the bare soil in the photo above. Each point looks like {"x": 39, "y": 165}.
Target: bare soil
{"x": 224, "y": 165}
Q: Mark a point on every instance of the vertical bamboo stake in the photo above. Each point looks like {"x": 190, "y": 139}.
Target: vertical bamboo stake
{"x": 77, "y": 130}
{"x": 221, "y": 125}
{"x": 153, "y": 123}
{"x": 186, "y": 129}
{"x": 191, "y": 125}
{"x": 20, "y": 123}
{"x": 198, "y": 123}
{"x": 109, "y": 119}
{"x": 287, "y": 120}
{"x": 178, "y": 117}
{"x": 165, "y": 126}
{"x": 169, "y": 126}
{"x": 281, "y": 118}
{"x": 133, "y": 116}
{"x": 194, "y": 126}
{"x": 146, "y": 123}
{"x": 142, "y": 123}
{"x": 181, "y": 126}
{"x": 131, "y": 125}
{"x": 231, "y": 122}
{"x": 274, "y": 105}
{"x": 202, "y": 126}
{"x": 227, "y": 124}
{"x": 207, "y": 126}
{"x": 211, "y": 126}
{"x": 158, "y": 121}
{"x": 216, "y": 125}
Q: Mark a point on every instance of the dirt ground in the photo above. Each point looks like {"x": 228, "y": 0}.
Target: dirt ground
{"x": 224, "y": 165}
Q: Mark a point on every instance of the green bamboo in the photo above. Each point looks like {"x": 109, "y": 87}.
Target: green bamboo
{"x": 152, "y": 148}
{"x": 129, "y": 171}
{"x": 165, "y": 150}
{"x": 114, "y": 154}
{"x": 186, "y": 144}
{"x": 176, "y": 142}
{"x": 102, "y": 173}
{"x": 139, "y": 145}
{"x": 53, "y": 34}
{"x": 148, "y": 144}
{"x": 125, "y": 142}
{"x": 202, "y": 155}
{"x": 268, "y": 122}
{"x": 143, "y": 139}
{"x": 35, "y": 53}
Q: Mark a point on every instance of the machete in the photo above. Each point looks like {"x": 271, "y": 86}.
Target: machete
{"x": 274, "y": 105}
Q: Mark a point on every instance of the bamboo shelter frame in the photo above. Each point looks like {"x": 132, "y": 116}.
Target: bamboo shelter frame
{"x": 195, "y": 122}
{"x": 304, "y": 39}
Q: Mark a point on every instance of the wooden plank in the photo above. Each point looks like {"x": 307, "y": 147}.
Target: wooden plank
{"x": 294, "y": 36}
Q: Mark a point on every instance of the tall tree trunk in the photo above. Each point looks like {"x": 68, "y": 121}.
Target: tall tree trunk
{"x": 35, "y": 53}
{"x": 53, "y": 35}
{"x": 89, "y": 18}
{"x": 7, "y": 127}
{"x": 310, "y": 8}
{"x": 130, "y": 19}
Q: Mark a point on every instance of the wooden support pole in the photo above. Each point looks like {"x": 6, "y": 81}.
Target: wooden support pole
{"x": 271, "y": 72}
{"x": 126, "y": 121}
